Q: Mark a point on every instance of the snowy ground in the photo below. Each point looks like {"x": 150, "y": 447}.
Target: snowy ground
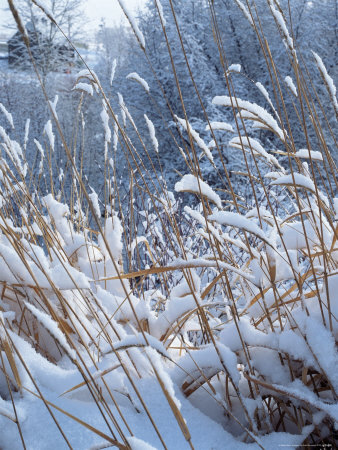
{"x": 39, "y": 430}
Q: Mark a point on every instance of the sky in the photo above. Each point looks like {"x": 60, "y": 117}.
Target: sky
{"x": 94, "y": 10}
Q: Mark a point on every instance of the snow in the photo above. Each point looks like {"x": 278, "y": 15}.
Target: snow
{"x": 237, "y": 220}
{"x": 85, "y": 87}
{"x": 316, "y": 334}
{"x": 291, "y": 86}
{"x": 38, "y": 424}
{"x": 235, "y": 68}
{"x": 293, "y": 235}
{"x": 267, "y": 97}
{"x": 335, "y": 203}
{"x": 165, "y": 378}
{"x": 49, "y": 132}
{"x": 201, "y": 262}
{"x": 177, "y": 307}
{"x": 245, "y": 12}
{"x": 95, "y": 202}
{"x": 113, "y": 232}
{"x": 85, "y": 73}
{"x": 305, "y": 153}
{"x": 58, "y": 212}
{"x": 25, "y": 139}
{"x": 160, "y": 11}
{"x": 136, "y": 77}
{"x": 190, "y": 183}
{"x": 152, "y": 134}
{"x": 297, "y": 390}
{"x": 42, "y": 153}
{"x": 254, "y": 110}
{"x": 113, "y": 70}
{"x": 138, "y": 33}
{"x": 197, "y": 138}
{"x": 328, "y": 80}
{"x": 52, "y": 327}
{"x": 219, "y": 126}
{"x": 243, "y": 141}
{"x": 123, "y": 109}
{"x": 5, "y": 411}
{"x": 282, "y": 25}
{"x": 141, "y": 340}
{"x": 300, "y": 181}
{"x": 139, "y": 444}
{"x": 39, "y": 147}
{"x": 53, "y": 105}
{"x": 105, "y": 122}
{"x": 7, "y": 114}
{"x": 204, "y": 358}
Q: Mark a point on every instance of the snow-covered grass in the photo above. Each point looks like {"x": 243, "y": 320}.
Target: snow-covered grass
{"x": 141, "y": 324}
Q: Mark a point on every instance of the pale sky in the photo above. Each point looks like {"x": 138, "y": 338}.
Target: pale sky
{"x": 94, "y": 9}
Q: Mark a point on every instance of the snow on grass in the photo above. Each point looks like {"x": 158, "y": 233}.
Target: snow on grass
{"x": 255, "y": 112}
{"x": 267, "y": 97}
{"x": 235, "y": 68}
{"x": 204, "y": 358}
{"x": 299, "y": 181}
{"x": 121, "y": 333}
{"x": 53, "y": 105}
{"x": 244, "y": 10}
{"x": 95, "y": 202}
{"x": 136, "y": 77}
{"x": 48, "y": 130}
{"x": 245, "y": 142}
{"x": 190, "y": 183}
{"x": 294, "y": 236}
{"x": 160, "y": 11}
{"x": 335, "y": 202}
{"x": 25, "y": 139}
{"x": 5, "y": 411}
{"x": 175, "y": 309}
{"x": 85, "y": 87}
{"x": 105, "y": 122}
{"x": 112, "y": 72}
{"x": 316, "y": 334}
{"x": 52, "y": 328}
{"x": 219, "y": 126}
{"x": 201, "y": 262}
{"x": 58, "y": 211}
{"x": 42, "y": 154}
{"x": 282, "y": 25}
{"x": 165, "y": 378}
{"x": 152, "y": 133}
{"x": 123, "y": 109}
{"x": 199, "y": 141}
{"x": 7, "y": 114}
{"x": 305, "y": 153}
{"x": 328, "y": 80}
{"x": 238, "y": 221}
{"x": 141, "y": 340}
{"x": 299, "y": 391}
{"x": 139, "y": 444}
{"x": 138, "y": 33}
{"x": 291, "y": 86}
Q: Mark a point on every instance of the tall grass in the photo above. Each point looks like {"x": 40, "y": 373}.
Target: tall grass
{"x": 233, "y": 299}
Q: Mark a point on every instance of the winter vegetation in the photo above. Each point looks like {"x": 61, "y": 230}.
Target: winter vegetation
{"x": 169, "y": 228}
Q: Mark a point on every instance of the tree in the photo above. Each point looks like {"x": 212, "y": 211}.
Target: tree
{"x": 50, "y": 48}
